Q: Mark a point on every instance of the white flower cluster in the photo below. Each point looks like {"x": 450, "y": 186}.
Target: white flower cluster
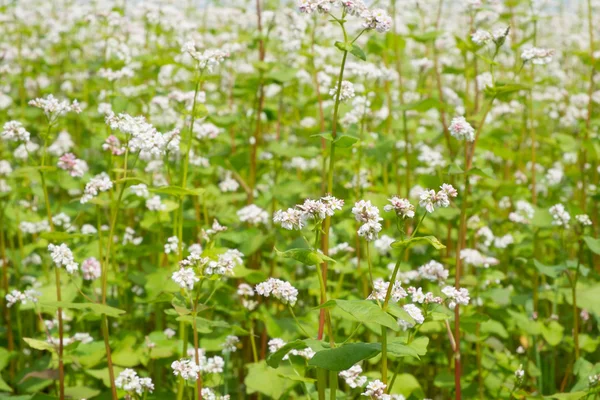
{"x": 245, "y": 291}
{"x": 113, "y": 144}
{"x": 402, "y": 207}
{"x": 380, "y": 288}
{"x": 353, "y": 377}
{"x": 15, "y": 132}
{"x": 129, "y": 381}
{"x": 475, "y": 258}
{"x": 208, "y": 59}
{"x": 253, "y": 214}
{"x": 584, "y": 219}
{"x": 155, "y": 203}
{"x": 91, "y": 269}
{"x": 62, "y": 256}
{"x": 430, "y": 199}
{"x": 456, "y": 296}
{"x": 186, "y": 368}
{"x": 461, "y": 129}
{"x": 346, "y": 91}
{"x": 433, "y": 271}
{"x": 230, "y": 344}
{"x": 54, "y": 108}
{"x": 16, "y": 296}
{"x": 419, "y": 297}
{"x": 129, "y": 237}
{"x": 140, "y": 190}
{"x": 414, "y": 312}
{"x": 172, "y": 245}
{"x": 277, "y": 343}
{"x": 185, "y": 278}
{"x": 560, "y": 215}
{"x": 537, "y": 55}
{"x": 295, "y": 218}
{"x": 281, "y": 290}
{"x": 73, "y": 165}
{"x": 225, "y": 263}
{"x": 99, "y": 183}
{"x": 368, "y": 214}
{"x": 144, "y": 137}
{"x": 523, "y": 213}
{"x": 376, "y": 19}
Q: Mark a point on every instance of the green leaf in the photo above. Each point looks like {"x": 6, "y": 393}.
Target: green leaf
{"x": 4, "y": 386}
{"x": 358, "y": 52}
{"x": 61, "y": 236}
{"x": 432, "y": 240}
{"x": 177, "y": 191}
{"x": 364, "y": 311}
{"x": 567, "y": 396}
{"x": 305, "y": 256}
{"x": 553, "y": 271}
{"x": 553, "y": 333}
{"x": 266, "y": 380}
{"x": 344, "y": 357}
{"x": 95, "y": 308}
{"x": 345, "y": 141}
{"x": 81, "y": 392}
{"x": 39, "y": 344}
{"x": 325, "y": 135}
{"x": 593, "y": 244}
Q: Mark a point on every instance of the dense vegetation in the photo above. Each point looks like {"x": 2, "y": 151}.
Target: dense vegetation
{"x": 325, "y": 200}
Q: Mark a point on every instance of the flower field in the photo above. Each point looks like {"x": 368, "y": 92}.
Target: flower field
{"x": 312, "y": 199}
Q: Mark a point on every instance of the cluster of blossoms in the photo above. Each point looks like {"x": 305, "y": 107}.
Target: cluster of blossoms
{"x": 277, "y": 343}
{"x": 419, "y": 297}
{"x": 78, "y": 337}
{"x": 584, "y": 219}
{"x": 91, "y": 269}
{"x": 76, "y": 167}
{"x": 208, "y": 59}
{"x": 186, "y": 368}
{"x": 253, "y": 215}
{"x": 245, "y": 291}
{"x": 433, "y": 271}
{"x": 230, "y": 344}
{"x": 225, "y": 263}
{"x": 402, "y": 207}
{"x": 523, "y": 213}
{"x": 16, "y": 296}
{"x": 129, "y": 381}
{"x": 318, "y": 210}
{"x": 353, "y": 376}
{"x": 380, "y": 288}
{"x": 113, "y": 144}
{"x": 172, "y": 245}
{"x": 368, "y": 214}
{"x": 346, "y": 91}
{"x": 54, "y": 108}
{"x": 456, "y": 296}
{"x": 376, "y": 19}
{"x": 15, "y": 132}
{"x": 376, "y": 390}
{"x": 143, "y": 136}
{"x": 185, "y": 278}
{"x": 498, "y": 36}
{"x": 99, "y": 183}
{"x": 415, "y": 313}
{"x": 281, "y": 290}
{"x": 63, "y": 256}
{"x": 560, "y": 215}
{"x": 430, "y": 199}
{"x": 461, "y": 129}
{"x": 537, "y": 55}
{"x": 475, "y": 258}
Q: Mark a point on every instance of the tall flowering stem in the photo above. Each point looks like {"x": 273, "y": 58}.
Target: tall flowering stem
{"x": 61, "y": 365}
{"x": 327, "y": 224}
